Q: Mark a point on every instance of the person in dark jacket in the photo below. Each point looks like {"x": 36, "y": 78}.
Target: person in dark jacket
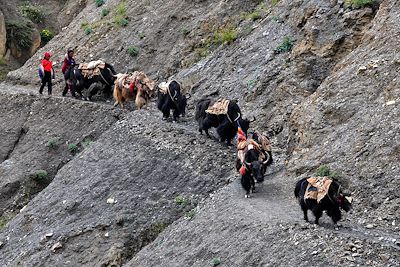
{"x": 69, "y": 63}
{"x": 47, "y": 67}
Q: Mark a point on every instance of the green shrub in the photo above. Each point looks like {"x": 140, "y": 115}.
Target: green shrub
{"x": 286, "y": 45}
{"x": 185, "y": 31}
{"x": 105, "y": 12}
{"x": 88, "y": 30}
{"x": 84, "y": 24}
{"x": 359, "y": 3}
{"x": 133, "y": 51}
{"x": 33, "y": 13}
{"x": 87, "y": 142}
{"x": 274, "y": 2}
{"x": 121, "y": 21}
{"x": 190, "y": 214}
{"x": 99, "y": 2}
{"x": 223, "y": 35}
{"x": 20, "y": 33}
{"x": 216, "y": 261}
{"x": 121, "y": 9}
{"x": 141, "y": 35}
{"x": 182, "y": 201}
{"x": 324, "y": 170}
{"x": 72, "y": 148}
{"x": 41, "y": 176}
{"x": 254, "y": 16}
{"x": 46, "y": 35}
{"x": 2, "y": 61}
{"x": 52, "y": 143}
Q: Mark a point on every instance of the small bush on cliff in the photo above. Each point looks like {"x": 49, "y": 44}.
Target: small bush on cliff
{"x": 41, "y": 176}
{"x": 52, "y": 143}
{"x": 33, "y": 13}
{"x": 226, "y": 34}
{"x": 359, "y": 3}
{"x": 105, "y": 12}
{"x": 120, "y": 15}
{"x": 133, "y": 51}
{"x": 324, "y": 170}
{"x": 72, "y": 148}
{"x": 46, "y": 35}
{"x": 19, "y": 33}
{"x": 286, "y": 45}
{"x": 182, "y": 201}
{"x": 99, "y": 2}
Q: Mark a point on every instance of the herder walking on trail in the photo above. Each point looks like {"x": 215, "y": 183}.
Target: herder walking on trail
{"x": 69, "y": 63}
{"x": 46, "y": 73}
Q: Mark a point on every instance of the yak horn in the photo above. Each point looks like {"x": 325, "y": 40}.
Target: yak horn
{"x": 237, "y": 117}
{"x": 267, "y": 158}
{"x": 248, "y": 164}
{"x": 253, "y": 120}
{"x": 188, "y": 95}
{"x": 349, "y": 199}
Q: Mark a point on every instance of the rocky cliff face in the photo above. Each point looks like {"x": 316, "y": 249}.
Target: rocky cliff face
{"x": 319, "y": 76}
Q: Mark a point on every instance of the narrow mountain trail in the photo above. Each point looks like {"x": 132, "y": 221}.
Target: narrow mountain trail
{"x": 242, "y": 231}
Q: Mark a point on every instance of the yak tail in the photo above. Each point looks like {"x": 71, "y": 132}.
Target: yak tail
{"x": 298, "y": 187}
{"x": 111, "y": 68}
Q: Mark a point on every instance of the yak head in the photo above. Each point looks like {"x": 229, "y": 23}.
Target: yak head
{"x": 344, "y": 200}
{"x": 178, "y": 98}
{"x": 254, "y": 165}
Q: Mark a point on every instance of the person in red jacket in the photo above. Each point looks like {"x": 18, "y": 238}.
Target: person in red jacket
{"x": 47, "y": 66}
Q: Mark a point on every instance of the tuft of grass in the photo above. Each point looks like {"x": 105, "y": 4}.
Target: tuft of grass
{"x": 256, "y": 15}
{"x": 105, "y": 12}
{"x": 216, "y": 261}
{"x": 274, "y": 2}
{"x": 324, "y": 170}
{"x": 285, "y": 46}
{"x": 190, "y": 214}
{"x": 87, "y": 142}
{"x": 88, "y": 30}
{"x": 185, "y": 31}
{"x": 99, "y": 2}
{"x": 359, "y": 3}
{"x": 182, "y": 201}
{"x": 41, "y": 176}
{"x": 84, "y": 24}
{"x": 141, "y": 35}
{"x": 52, "y": 143}
{"x": 133, "y": 51}
{"x": 121, "y": 9}
{"x": 72, "y": 148}
{"x": 46, "y": 35}
{"x": 227, "y": 34}
{"x": 32, "y": 12}
{"x": 2, "y": 61}
{"x": 20, "y": 33}
{"x": 121, "y": 21}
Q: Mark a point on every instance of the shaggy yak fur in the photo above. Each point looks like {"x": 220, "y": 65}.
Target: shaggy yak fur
{"x": 104, "y": 81}
{"x": 172, "y": 99}
{"x": 254, "y": 168}
{"x": 331, "y": 203}
{"x": 226, "y": 128}
{"x": 136, "y": 86}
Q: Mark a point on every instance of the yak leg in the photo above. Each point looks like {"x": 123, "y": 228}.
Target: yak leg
{"x": 176, "y": 114}
{"x": 335, "y": 214}
{"x": 206, "y": 125}
{"x": 305, "y": 209}
{"x": 253, "y": 185}
{"x": 246, "y": 184}
{"x": 318, "y": 214}
{"x": 166, "y": 112}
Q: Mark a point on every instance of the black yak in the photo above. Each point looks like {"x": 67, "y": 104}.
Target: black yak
{"x": 170, "y": 97}
{"x": 104, "y": 80}
{"x": 252, "y": 162}
{"x": 226, "y": 123}
{"x": 332, "y": 202}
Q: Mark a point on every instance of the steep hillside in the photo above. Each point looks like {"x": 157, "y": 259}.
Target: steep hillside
{"x": 321, "y": 78}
